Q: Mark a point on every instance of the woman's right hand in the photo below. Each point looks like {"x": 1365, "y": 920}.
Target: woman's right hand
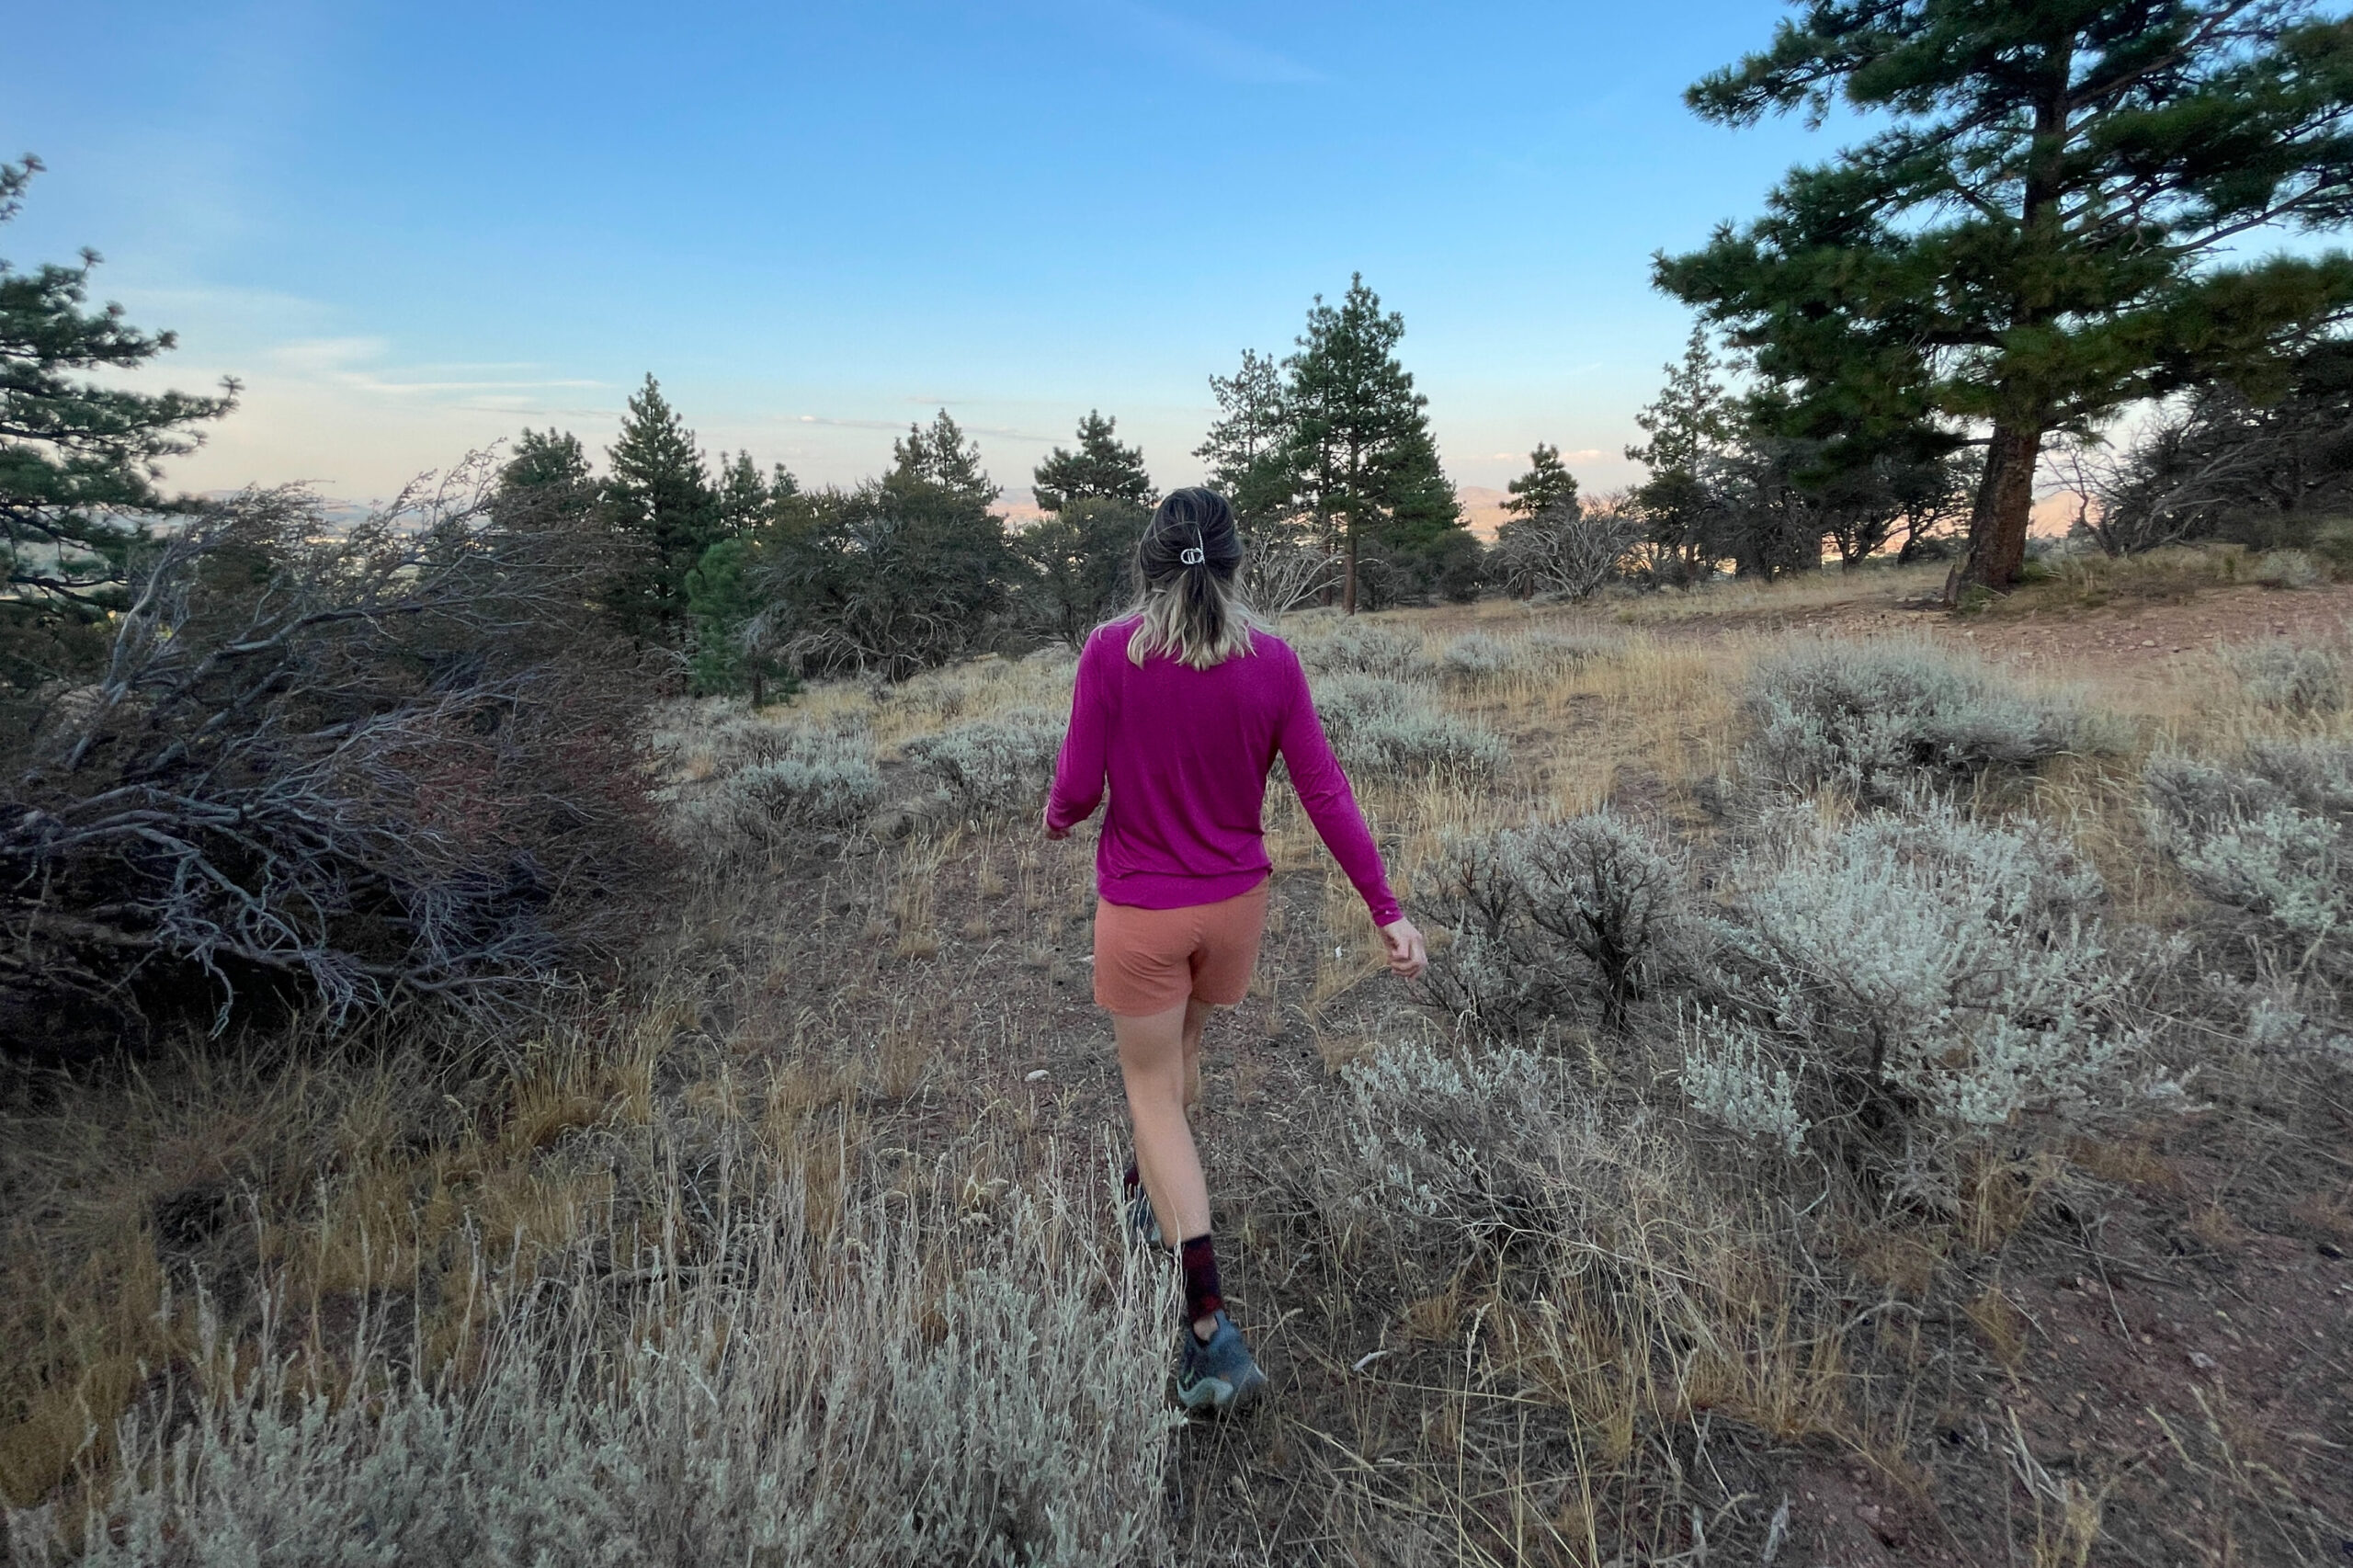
{"x": 1408, "y": 956}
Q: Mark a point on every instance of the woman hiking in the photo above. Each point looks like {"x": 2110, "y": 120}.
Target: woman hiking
{"x": 1182, "y": 705}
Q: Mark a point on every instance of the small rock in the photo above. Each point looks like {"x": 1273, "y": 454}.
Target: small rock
{"x": 2203, "y": 1362}
{"x": 1033, "y": 1074}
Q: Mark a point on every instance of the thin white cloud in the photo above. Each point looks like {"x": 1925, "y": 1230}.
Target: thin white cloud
{"x": 344, "y": 360}
{"x": 996, "y": 432}
{"x": 892, "y": 425}
{"x": 1197, "y": 46}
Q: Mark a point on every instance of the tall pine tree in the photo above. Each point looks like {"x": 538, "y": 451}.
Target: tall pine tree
{"x": 659, "y": 496}
{"x": 724, "y": 598}
{"x": 1246, "y": 451}
{"x": 1077, "y": 564}
{"x": 1358, "y": 448}
{"x": 1100, "y": 466}
{"x": 1691, "y": 421}
{"x": 2041, "y": 233}
{"x": 942, "y": 458}
{"x": 78, "y": 458}
{"x": 547, "y": 458}
{"x": 1546, "y": 487}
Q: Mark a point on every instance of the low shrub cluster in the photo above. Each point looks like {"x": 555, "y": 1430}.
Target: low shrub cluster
{"x": 2267, "y": 840}
{"x": 767, "y": 786}
{"x": 1873, "y": 719}
{"x": 2296, "y": 679}
{"x": 1551, "y": 652}
{"x": 992, "y": 767}
{"x": 1476, "y": 656}
{"x": 1543, "y": 915}
{"x": 1454, "y": 1137}
{"x": 2290, "y": 569}
{"x": 1382, "y": 729}
{"x": 1897, "y": 984}
{"x": 1906, "y": 972}
{"x": 1357, "y": 646}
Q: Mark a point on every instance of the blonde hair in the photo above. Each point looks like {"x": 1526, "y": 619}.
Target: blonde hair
{"x": 1171, "y": 622}
{"x": 1189, "y": 607}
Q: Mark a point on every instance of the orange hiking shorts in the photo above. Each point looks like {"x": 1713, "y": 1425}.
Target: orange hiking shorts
{"x": 1148, "y": 960}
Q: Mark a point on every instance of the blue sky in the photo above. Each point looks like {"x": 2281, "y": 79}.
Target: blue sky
{"x": 416, "y": 228}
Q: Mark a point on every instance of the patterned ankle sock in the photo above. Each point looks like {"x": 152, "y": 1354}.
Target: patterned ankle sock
{"x": 1201, "y": 1297}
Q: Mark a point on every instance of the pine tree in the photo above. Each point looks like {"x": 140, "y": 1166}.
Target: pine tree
{"x": 1359, "y": 447}
{"x": 722, "y": 599}
{"x": 898, "y": 576}
{"x": 743, "y": 498}
{"x": 1546, "y": 484}
{"x": 1101, "y": 466}
{"x": 1691, "y": 420}
{"x": 1078, "y": 563}
{"x": 659, "y": 496}
{"x": 78, "y": 459}
{"x": 1245, "y": 448}
{"x": 550, "y": 458}
{"x": 2038, "y": 236}
{"x": 941, "y": 457}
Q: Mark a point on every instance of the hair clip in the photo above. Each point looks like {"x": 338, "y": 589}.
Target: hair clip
{"x": 1192, "y": 555}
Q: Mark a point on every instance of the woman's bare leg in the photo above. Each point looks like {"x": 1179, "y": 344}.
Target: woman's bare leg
{"x": 1197, "y": 1013}
{"x": 1152, "y": 1060}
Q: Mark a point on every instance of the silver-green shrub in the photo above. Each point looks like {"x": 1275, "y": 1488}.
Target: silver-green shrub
{"x": 1732, "y": 1071}
{"x": 992, "y": 766}
{"x": 2287, "y": 676}
{"x": 2289, "y": 569}
{"x": 1911, "y": 970}
{"x": 1379, "y": 728}
{"x": 1357, "y": 646}
{"x": 1870, "y": 719}
{"x": 2283, "y": 1021}
{"x": 2267, "y": 839}
{"x": 722, "y": 732}
{"x": 1555, "y": 652}
{"x": 884, "y": 1402}
{"x": 1544, "y": 914}
{"x": 1452, "y": 1138}
{"x": 1475, "y": 655}
{"x": 1350, "y": 702}
{"x": 795, "y": 782}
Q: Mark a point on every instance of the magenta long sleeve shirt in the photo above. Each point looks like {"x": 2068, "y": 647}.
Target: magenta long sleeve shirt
{"x": 1186, "y": 752}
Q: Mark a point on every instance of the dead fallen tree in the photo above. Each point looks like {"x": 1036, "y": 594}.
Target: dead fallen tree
{"x": 334, "y": 767}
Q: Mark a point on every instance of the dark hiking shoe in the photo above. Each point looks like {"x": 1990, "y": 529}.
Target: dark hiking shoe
{"x": 1141, "y": 1219}
{"x": 1221, "y": 1375}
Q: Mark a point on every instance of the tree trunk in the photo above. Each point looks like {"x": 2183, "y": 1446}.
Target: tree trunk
{"x": 2004, "y": 509}
{"x": 1348, "y": 598}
